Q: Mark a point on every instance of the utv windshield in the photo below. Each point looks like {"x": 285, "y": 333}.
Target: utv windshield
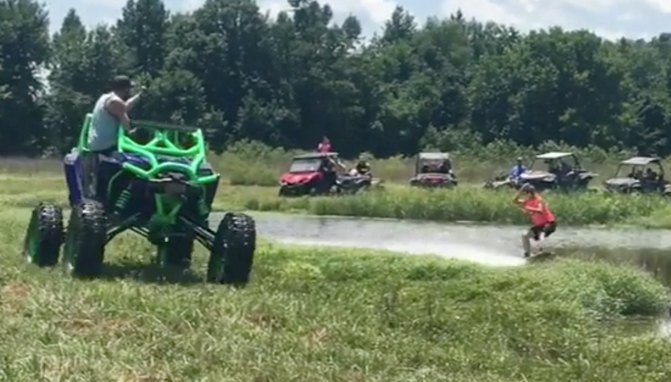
{"x": 306, "y": 165}
{"x": 432, "y": 167}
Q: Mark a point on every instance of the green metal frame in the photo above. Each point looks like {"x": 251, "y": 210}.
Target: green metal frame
{"x": 161, "y": 144}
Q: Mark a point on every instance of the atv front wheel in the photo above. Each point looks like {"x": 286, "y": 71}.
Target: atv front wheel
{"x": 85, "y": 239}
{"x": 44, "y": 237}
{"x": 232, "y": 254}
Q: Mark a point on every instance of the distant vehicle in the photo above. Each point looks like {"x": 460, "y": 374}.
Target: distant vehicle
{"x": 316, "y": 174}
{"x": 433, "y": 170}
{"x": 639, "y": 175}
{"x": 563, "y": 172}
{"x": 500, "y": 180}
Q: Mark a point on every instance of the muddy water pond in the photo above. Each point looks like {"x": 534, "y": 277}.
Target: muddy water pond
{"x": 495, "y": 245}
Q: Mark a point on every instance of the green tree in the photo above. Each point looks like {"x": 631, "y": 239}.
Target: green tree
{"x": 24, "y": 49}
{"x": 143, "y": 29}
{"x": 81, "y": 69}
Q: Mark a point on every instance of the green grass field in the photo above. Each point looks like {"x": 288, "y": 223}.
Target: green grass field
{"x": 314, "y": 314}
{"x": 327, "y": 315}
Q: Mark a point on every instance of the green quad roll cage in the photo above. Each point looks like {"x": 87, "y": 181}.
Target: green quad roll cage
{"x": 172, "y": 174}
{"x": 165, "y": 142}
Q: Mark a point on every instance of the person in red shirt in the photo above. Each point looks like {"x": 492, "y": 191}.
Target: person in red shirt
{"x": 324, "y": 146}
{"x": 542, "y": 219}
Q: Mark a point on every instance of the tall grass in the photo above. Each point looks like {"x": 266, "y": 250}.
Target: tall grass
{"x": 326, "y": 315}
{"x": 462, "y": 203}
{"x": 473, "y": 204}
{"x": 253, "y": 163}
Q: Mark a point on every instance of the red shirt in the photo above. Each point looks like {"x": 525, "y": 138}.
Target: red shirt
{"x": 538, "y": 218}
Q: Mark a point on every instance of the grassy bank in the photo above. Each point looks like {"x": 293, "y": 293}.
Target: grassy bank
{"x": 475, "y": 204}
{"x": 463, "y": 203}
{"x": 327, "y": 315}
{"x": 253, "y": 163}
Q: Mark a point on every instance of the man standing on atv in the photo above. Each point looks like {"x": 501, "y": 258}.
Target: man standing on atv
{"x": 110, "y": 110}
{"x": 517, "y": 171}
{"x": 543, "y": 220}
{"x": 324, "y": 146}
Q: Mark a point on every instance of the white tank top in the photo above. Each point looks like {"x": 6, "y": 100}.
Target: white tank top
{"x": 104, "y": 126}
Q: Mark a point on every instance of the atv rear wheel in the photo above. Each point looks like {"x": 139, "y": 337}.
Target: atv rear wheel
{"x": 44, "y": 237}
{"x": 85, "y": 239}
{"x": 232, "y": 254}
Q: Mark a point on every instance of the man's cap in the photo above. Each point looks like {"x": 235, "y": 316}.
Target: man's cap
{"x": 519, "y": 159}
{"x": 121, "y": 82}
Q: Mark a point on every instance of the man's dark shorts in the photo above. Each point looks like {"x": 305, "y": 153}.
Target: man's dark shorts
{"x": 91, "y": 164}
{"x": 548, "y": 229}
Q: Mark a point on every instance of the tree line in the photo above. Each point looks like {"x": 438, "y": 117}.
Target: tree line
{"x": 288, "y": 80}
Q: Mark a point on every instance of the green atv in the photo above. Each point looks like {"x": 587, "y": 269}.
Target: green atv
{"x": 157, "y": 184}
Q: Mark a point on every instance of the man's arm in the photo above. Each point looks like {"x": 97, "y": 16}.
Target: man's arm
{"x": 119, "y": 109}
{"x": 130, "y": 104}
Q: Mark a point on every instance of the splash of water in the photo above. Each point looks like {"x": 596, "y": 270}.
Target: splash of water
{"x": 455, "y": 251}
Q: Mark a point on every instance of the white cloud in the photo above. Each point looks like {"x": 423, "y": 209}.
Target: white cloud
{"x": 610, "y": 19}
{"x": 590, "y": 5}
{"x": 633, "y": 18}
{"x": 376, "y": 10}
{"x": 109, "y": 4}
{"x": 273, "y": 7}
{"x": 485, "y": 10}
{"x": 661, "y": 5}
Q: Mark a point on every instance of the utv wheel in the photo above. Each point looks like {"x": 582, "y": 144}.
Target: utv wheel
{"x": 232, "y": 254}
{"x": 85, "y": 239}
{"x": 44, "y": 237}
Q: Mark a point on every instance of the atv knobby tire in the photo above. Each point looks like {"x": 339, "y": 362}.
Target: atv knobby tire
{"x": 232, "y": 254}
{"x": 44, "y": 236}
{"x": 85, "y": 240}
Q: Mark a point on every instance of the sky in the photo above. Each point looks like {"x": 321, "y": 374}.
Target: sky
{"x": 610, "y": 19}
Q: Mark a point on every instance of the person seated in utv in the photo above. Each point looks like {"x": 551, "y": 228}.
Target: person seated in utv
{"x": 553, "y": 167}
{"x": 516, "y": 172}
{"x": 109, "y": 112}
{"x": 650, "y": 175}
{"x": 566, "y": 168}
{"x": 649, "y": 180}
{"x": 446, "y": 168}
{"x": 329, "y": 168}
{"x": 362, "y": 167}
